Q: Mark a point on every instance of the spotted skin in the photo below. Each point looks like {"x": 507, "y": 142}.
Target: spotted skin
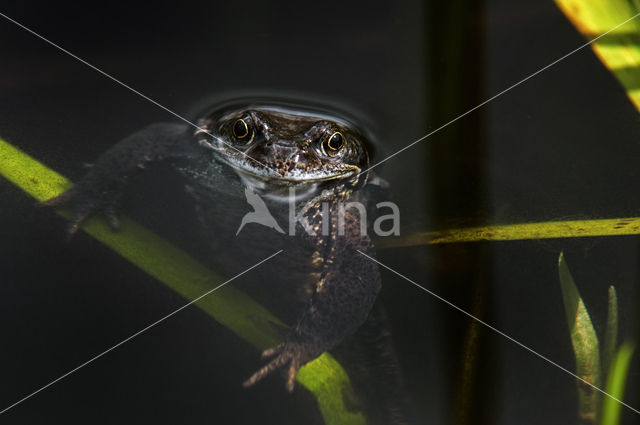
{"x": 343, "y": 295}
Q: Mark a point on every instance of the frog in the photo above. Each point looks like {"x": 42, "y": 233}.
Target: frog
{"x": 288, "y": 155}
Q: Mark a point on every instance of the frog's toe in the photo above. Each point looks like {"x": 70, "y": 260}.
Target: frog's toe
{"x": 275, "y": 364}
{"x": 294, "y": 367}
{"x": 77, "y": 218}
{"x": 112, "y": 218}
{"x": 271, "y": 352}
{"x": 291, "y": 355}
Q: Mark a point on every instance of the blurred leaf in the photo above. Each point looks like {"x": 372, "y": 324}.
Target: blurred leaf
{"x": 619, "y": 50}
{"x": 519, "y": 231}
{"x": 616, "y": 379}
{"x": 324, "y": 376}
{"x": 611, "y": 332}
{"x": 585, "y": 344}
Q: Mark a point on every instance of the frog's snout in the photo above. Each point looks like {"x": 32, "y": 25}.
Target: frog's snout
{"x": 284, "y": 156}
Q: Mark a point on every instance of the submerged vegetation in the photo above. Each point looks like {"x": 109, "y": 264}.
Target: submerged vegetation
{"x": 594, "y": 365}
{"x": 619, "y": 51}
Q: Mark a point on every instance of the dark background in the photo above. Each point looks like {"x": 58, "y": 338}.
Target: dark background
{"x": 562, "y": 145}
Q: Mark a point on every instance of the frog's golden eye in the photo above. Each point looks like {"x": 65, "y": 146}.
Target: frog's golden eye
{"x": 333, "y": 144}
{"x": 241, "y": 129}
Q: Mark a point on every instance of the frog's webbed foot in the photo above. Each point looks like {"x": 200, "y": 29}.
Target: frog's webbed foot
{"x": 289, "y": 355}
{"x": 85, "y": 202}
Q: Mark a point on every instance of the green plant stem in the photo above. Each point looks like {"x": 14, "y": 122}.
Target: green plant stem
{"x": 519, "y": 231}
{"x": 324, "y": 377}
{"x": 616, "y": 379}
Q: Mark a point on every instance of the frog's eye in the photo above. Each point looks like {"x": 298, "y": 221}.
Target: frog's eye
{"x": 333, "y": 144}
{"x": 241, "y": 129}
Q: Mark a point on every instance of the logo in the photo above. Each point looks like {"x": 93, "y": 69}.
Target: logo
{"x": 261, "y": 215}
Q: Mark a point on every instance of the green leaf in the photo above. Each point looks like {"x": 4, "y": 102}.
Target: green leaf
{"x": 585, "y": 344}
{"x": 519, "y": 231}
{"x": 619, "y": 50}
{"x": 616, "y": 380}
{"x": 324, "y": 376}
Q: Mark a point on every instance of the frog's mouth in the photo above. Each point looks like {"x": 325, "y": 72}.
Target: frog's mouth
{"x": 289, "y": 178}
{"x": 252, "y": 169}
{"x": 280, "y": 187}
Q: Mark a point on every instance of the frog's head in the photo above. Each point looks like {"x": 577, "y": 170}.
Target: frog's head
{"x": 284, "y": 146}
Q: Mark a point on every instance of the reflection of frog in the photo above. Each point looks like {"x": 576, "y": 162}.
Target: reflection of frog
{"x": 274, "y": 151}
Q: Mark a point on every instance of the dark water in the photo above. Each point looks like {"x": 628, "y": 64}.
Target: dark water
{"x": 562, "y": 145}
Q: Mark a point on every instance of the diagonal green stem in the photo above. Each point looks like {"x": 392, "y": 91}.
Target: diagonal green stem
{"x": 324, "y": 377}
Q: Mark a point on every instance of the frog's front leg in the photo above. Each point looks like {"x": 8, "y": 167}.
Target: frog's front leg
{"x": 343, "y": 296}
{"x": 101, "y": 189}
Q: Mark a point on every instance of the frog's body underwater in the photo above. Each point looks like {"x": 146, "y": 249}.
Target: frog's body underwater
{"x": 290, "y": 157}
